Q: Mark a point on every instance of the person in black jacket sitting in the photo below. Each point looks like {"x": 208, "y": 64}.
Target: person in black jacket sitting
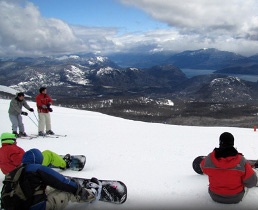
{"x": 51, "y": 189}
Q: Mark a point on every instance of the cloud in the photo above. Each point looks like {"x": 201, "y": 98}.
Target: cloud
{"x": 230, "y": 25}
{"x": 201, "y": 15}
{"x": 205, "y": 23}
{"x": 23, "y": 31}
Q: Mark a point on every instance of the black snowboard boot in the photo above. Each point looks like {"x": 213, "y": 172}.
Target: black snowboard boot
{"x": 67, "y": 158}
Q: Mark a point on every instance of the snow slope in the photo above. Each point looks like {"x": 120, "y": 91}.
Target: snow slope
{"x": 153, "y": 160}
{"x": 8, "y": 89}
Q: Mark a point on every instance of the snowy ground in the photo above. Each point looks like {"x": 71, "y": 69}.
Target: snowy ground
{"x": 153, "y": 160}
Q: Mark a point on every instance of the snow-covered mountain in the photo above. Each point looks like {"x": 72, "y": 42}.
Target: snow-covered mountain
{"x": 82, "y": 59}
{"x": 227, "y": 89}
{"x": 207, "y": 58}
{"x": 153, "y": 160}
{"x": 76, "y": 76}
{"x": 218, "y": 89}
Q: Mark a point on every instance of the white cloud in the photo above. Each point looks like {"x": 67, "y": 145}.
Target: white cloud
{"x": 221, "y": 24}
{"x": 201, "y": 15}
{"x": 224, "y": 24}
{"x": 23, "y": 31}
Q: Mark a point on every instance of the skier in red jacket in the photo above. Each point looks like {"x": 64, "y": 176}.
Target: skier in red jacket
{"x": 43, "y": 103}
{"x": 229, "y": 172}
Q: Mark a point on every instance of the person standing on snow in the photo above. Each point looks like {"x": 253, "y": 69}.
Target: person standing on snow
{"x": 43, "y": 103}
{"x": 47, "y": 188}
{"x": 229, "y": 172}
{"x": 15, "y": 112}
{"x": 11, "y": 155}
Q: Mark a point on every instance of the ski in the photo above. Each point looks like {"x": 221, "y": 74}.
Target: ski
{"x": 33, "y": 136}
{"x": 29, "y": 137}
{"x": 53, "y": 136}
{"x": 58, "y": 135}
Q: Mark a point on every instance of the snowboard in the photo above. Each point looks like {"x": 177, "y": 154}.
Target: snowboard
{"x": 77, "y": 164}
{"x": 197, "y": 164}
{"x": 112, "y": 191}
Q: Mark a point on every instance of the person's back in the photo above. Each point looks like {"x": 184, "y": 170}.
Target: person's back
{"x": 10, "y": 153}
{"x": 229, "y": 172}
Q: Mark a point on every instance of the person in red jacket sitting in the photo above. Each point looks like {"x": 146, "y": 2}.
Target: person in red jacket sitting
{"x": 43, "y": 103}
{"x": 11, "y": 155}
{"x": 229, "y": 172}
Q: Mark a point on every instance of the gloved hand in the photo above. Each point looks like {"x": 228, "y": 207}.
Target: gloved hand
{"x": 48, "y": 107}
{"x": 31, "y": 110}
{"x": 25, "y": 113}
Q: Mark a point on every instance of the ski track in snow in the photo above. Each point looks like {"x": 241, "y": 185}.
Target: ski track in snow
{"x": 153, "y": 160}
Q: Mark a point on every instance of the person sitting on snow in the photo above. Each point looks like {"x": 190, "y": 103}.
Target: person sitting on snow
{"x": 11, "y": 155}
{"x": 229, "y": 172}
{"x": 47, "y": 188}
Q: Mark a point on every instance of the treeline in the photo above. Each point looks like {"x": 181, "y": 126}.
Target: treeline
{"x": 182, "y": 113}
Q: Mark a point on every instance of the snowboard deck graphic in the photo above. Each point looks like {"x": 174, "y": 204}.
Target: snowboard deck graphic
{"x": 197, "y": 164}
{"x": 112, "y": 191}
{"x": 77, "y": 164}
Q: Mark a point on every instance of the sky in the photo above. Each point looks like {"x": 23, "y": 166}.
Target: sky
{"x": 47, "y": 27}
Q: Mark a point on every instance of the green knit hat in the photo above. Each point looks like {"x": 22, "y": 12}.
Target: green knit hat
{"x": 8, "y": 138}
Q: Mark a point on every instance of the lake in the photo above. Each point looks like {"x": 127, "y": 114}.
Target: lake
{"x": 196, "y": 72}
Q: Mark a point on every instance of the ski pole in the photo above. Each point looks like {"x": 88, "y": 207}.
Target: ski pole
{"x": 35, "y": 116}
{"x": 32, "y": 121}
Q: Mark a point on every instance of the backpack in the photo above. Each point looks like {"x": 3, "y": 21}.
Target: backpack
{"x": 16, "y": 192}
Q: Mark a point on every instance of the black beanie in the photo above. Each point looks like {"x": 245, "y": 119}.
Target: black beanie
{"x": 226, "y": 140}
{"x": 42, "y": 89}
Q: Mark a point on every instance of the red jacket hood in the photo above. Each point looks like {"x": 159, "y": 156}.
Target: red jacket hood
{"x": 228, "y": 162}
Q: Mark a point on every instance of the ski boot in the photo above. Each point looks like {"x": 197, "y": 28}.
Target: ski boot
{"x": 50, "y": 132}
{"x": 16, "y": 134}
{"x": 41, "y": 133}
{"x": 22, "y": 134}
